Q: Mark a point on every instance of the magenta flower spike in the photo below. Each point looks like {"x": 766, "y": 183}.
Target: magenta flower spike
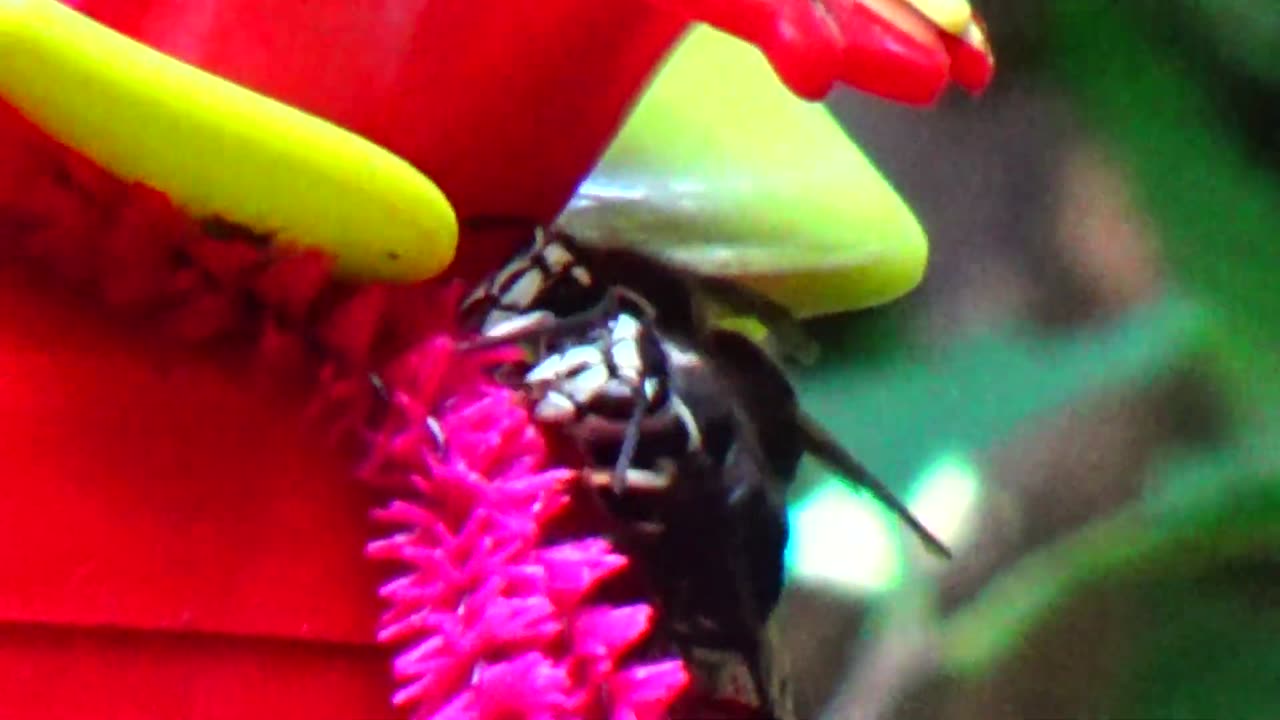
{"x": 493, "y": 618}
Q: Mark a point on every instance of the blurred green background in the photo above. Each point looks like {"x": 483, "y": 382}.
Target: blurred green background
{"x": 1083, "y": 395}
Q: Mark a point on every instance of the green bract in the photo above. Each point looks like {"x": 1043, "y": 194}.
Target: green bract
{"x": 721, "y": 169}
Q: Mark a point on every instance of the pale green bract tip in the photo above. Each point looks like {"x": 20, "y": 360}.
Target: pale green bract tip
{"x": 721, "y": 169}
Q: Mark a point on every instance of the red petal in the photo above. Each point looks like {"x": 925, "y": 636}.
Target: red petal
{"x": 972, "y": 66}
{"x": 506, "y": 105}
{"x": 802, "y": 44}
{"x": 172, "y": 526}
{"x": 882, "y": 55}
{"x": 884, "y": 47}
{"x": 170, "y": 531}
{"x": 74, "y": 673}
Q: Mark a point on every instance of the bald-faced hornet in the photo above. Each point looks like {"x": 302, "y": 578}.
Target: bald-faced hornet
{"x": 558, "y": 289}
{"x": 691, "y": 433}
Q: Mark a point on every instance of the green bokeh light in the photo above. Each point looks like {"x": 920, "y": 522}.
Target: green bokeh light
{"x": 841, "y": 537}
{"x": 844, "y": 538}
{"x": 945, "y": 497}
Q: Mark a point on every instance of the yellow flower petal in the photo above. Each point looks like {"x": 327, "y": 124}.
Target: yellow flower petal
{"x": 218, "y": 149}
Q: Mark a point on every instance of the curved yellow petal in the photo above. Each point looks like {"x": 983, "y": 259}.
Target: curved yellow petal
{"x": 721, "y": 169}
{"x": 219, "y": 149}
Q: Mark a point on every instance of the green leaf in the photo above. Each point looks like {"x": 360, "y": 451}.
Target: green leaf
{"x": 1217, "y": 208}
{"x": 975, "y": 393}
{"x": 906, "y": 415}
{"x": 1172, "y": 532}
{"x": 1202, "y": 651}
{"x": 1245, "y": 32}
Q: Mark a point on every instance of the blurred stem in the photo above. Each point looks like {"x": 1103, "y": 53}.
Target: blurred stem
{"x": 1182, "y": 533}
{"x": 899, "y": 653}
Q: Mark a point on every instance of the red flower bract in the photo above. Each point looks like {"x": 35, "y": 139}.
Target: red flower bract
{"x": 494, "y": 615}
{"x": 168, "y": 504}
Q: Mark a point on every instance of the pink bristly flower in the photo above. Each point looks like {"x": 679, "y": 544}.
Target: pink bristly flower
{"x": 497, "y": 620}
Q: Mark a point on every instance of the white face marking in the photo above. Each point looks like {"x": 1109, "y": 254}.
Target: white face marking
{"x": 511, "y": 269}
{"x": 518, "y": 266}
{"x": 579, "y": 374}
{"x": 627, "y": 326}
{"x": 555, "y": 408}
{"x": 634, "y": 479}
{"x": 581, "y": 274}
{"x": 625, "y": 348}
{"x": 504, "y": 323}
{"x": 522, "y": 293}
{"x": 563, "y": 365}
{"x": 557, "y": 257}
{"x": 626, "y": 359}
{"x": 589, "y": 383}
